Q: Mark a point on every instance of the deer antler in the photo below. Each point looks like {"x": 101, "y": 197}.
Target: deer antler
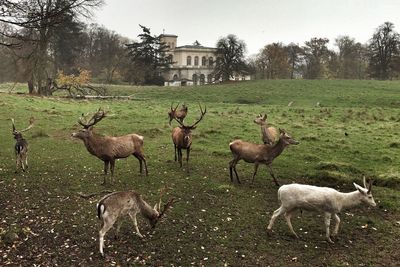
{"x": 98, "y": 116}
{"x": 174, "y": 109}
{"x": 31, "y": 122}
{"x": 166, "y": 207}
{"x": 201, "y": 116}
{"x": 162, "y": 192}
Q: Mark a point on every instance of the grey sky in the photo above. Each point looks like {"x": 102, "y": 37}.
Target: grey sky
{"x": 257, "y": 22}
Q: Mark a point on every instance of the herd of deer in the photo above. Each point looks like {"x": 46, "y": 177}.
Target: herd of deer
{"x": 109, "y": 148}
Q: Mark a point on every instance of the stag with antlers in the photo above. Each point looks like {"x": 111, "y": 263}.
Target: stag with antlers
{"x": 114, "y": 205}
{"x": 182, "y": 137}
{"x": 21, "y": 146}
{"x": 177, "y": 114}
{"x": 110, "y": 148}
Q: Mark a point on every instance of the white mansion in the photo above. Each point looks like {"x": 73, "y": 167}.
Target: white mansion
{"x": 192, "y": 64}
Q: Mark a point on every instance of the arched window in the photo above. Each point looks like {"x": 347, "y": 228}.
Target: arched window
{"x": 203, "y": 61}
{"x": 194, "y": 78}
{"x": 202, "y": 79}
{"x": 210, "y": 61}
{"x": 175, "y": 77}
{"x": 209, "y": 78}
{"x": 196, "y": 60}
{"x": 189, "y": 60}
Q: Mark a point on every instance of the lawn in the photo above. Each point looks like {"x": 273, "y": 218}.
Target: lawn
{"x": 352, "y": 132}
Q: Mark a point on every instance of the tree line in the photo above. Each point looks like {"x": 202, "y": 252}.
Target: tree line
{"x": 43, "y": 39}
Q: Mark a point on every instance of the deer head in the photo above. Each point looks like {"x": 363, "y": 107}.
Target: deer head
{"x": 260, "y": 119}
{"x": 18, "y": 134}
{"x": 286, "y": 138}
{"x": 366, "y": 192}
{"x": 157, "y": 208}
{"x": 171, "y": 113}
{"x": 88, "y": 124}
{"x": 186, "y": 129}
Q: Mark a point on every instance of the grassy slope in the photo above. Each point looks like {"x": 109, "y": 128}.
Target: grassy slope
{"x": 43, "y": 208}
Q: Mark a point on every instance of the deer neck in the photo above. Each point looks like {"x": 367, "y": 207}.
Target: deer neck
{"x": 349, "y": 200}
{"x": 146, "y": 210}
{"x": 277, "y": 149}
{"x": 91, "y": 143}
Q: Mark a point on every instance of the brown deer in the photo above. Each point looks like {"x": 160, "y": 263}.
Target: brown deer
{"x": 177, "y": 114}
{"x": 117, "y": 204}
{"x": 258, "y": 154}
{"x": 21, "y": 146}
{"x": 110, "y": 148}
{"x": 269, "y": 134}
{"x": 182, "y": 138}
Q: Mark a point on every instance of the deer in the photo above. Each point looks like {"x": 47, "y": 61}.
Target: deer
{"x": 258, "y": 153}
{"x": 177, "y": 114}
{"x": 110, "y": 148}
{"x": 21, "y": 145}
{"x": 321, "y": 199}
{"x": 182, "y": 138}
{"x": 117, "y": 204}
{"x": 269, "y": 134}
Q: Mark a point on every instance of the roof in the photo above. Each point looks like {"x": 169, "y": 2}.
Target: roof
{"x": 168, "y": 35}
{"x": 195, "y": 47}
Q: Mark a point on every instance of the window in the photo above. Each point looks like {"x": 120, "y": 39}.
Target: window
{"x": 175, "y": 77}
{"x": 189, "y": 60}
{"x": 210, "y": 61}
{"x": 209, "y": 78}
{"x": 196, "y": 60}
{"x": 202, "y": 79}
{"x": 203, "y": 61}
{"x": 194, "y": 78}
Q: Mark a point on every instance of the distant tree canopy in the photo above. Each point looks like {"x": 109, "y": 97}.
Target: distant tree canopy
{"x": 150, "y": 56}
{"x": 230, "y": 57}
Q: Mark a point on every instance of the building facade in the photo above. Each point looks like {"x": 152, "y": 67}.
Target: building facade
{"x": 191, "y": 64}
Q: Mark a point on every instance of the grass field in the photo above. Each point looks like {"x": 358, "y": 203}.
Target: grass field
{"x": 44, "y": 222}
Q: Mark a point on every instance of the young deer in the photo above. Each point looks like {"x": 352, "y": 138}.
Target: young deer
{"x": 110, "y": 148}
{"x": 21, "y": 146}
{"x": 258, "y": 154}
{"x": 117, "y": 204}
{"x": 322, "y": 199}
{"x": 269, "y": 134}
{"x": 182, "y": 137}
{"x": 177, "y": 114}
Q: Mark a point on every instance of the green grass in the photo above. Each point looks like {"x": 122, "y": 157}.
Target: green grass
{"x": 214, "y": 222}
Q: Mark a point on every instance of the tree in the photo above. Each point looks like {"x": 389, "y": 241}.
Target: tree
{"x": 149, "y": 56}
{"x": 230, "y": 59}
{"x": 384, "y": 49}
{"x": 273, "y": 60}
{"x": 315, "y": 56}
{"x": 294, "y": 52}
{"x": 33, "y": 23}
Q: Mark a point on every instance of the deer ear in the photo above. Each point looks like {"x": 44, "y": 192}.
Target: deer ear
{"x": 282, "y": 131}
{"x": 265, "y": 117}
{"x": 155, "y": 207}
{"x": 359, "y": 188}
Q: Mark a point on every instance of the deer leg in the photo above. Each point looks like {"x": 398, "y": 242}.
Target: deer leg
{"x": 234, "y": 169}
{"x": 272, "y": 174}
{"x": 106, "y": 225}
{"x": 175, "y": 151}
{"x": 112, "y": 165}
{"x": 274, "y": 216}
{"x": 337, "y": 222}
{"x": 140, "y": 161}
{"x": 255, "y": 171}
{"x": 135, "y": 224}
{"x": 26, "y": 161}
{"x": 187, "y": 159}
{"x": 180, "y": 156}
{"x": 288, "y": 215}
{"x": 327, "y": 220}
{"x": 106, "y": 164}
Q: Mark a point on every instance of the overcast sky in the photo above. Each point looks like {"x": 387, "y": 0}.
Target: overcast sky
{"x": 256, "y": 22}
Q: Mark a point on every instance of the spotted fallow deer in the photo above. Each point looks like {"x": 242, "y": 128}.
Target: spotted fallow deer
{"x": 21, "y": 145}
{"x": 258, "y": 153}
{"x": 117, "y": 204}
{"x": 182, "y": 138}
{"x": 110, "y": 148}
{"x": 269, "y": 134}
{"x": 177, "y": 114}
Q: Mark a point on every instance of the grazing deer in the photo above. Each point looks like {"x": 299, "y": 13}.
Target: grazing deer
{"x": 110, "y": 148}
{"x": 182, "y": 137}
{"x": 177, "y": 114}
{"x": 322, "y": 199}
{"x": 258, "y": 154}
{"x": 114, "y": 205}
{"x": 269, "y": 134}
{"x": 21, "y": 146}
